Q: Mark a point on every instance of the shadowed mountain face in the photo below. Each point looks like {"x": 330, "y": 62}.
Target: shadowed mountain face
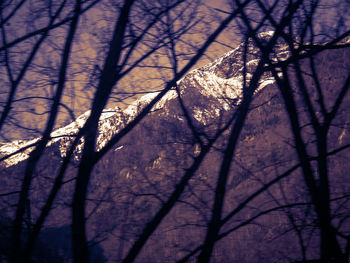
{"x": 136, "y": 177}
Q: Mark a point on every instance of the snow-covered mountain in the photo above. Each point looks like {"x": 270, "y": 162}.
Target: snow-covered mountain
{"x": 220, "y": 80}
{"x": 131, "y": 182}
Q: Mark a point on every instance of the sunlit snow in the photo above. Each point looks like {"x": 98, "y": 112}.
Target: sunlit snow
{"x": 112, "y": 120}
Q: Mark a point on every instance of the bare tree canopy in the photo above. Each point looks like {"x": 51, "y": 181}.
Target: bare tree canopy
{"x": 174, "y": 131}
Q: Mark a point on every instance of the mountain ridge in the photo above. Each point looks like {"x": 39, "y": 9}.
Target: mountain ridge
{"x": 136, "y": 177}
{"x": 206, "y": 78}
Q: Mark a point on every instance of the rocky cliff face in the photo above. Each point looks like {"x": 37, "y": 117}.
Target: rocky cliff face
{"x": 133, "y": 180}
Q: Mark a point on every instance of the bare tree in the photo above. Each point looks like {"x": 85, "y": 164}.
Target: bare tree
{"x": 118, "y": 63}
{"x": 318, "y": 182}
{"x": 279, "y": 61}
